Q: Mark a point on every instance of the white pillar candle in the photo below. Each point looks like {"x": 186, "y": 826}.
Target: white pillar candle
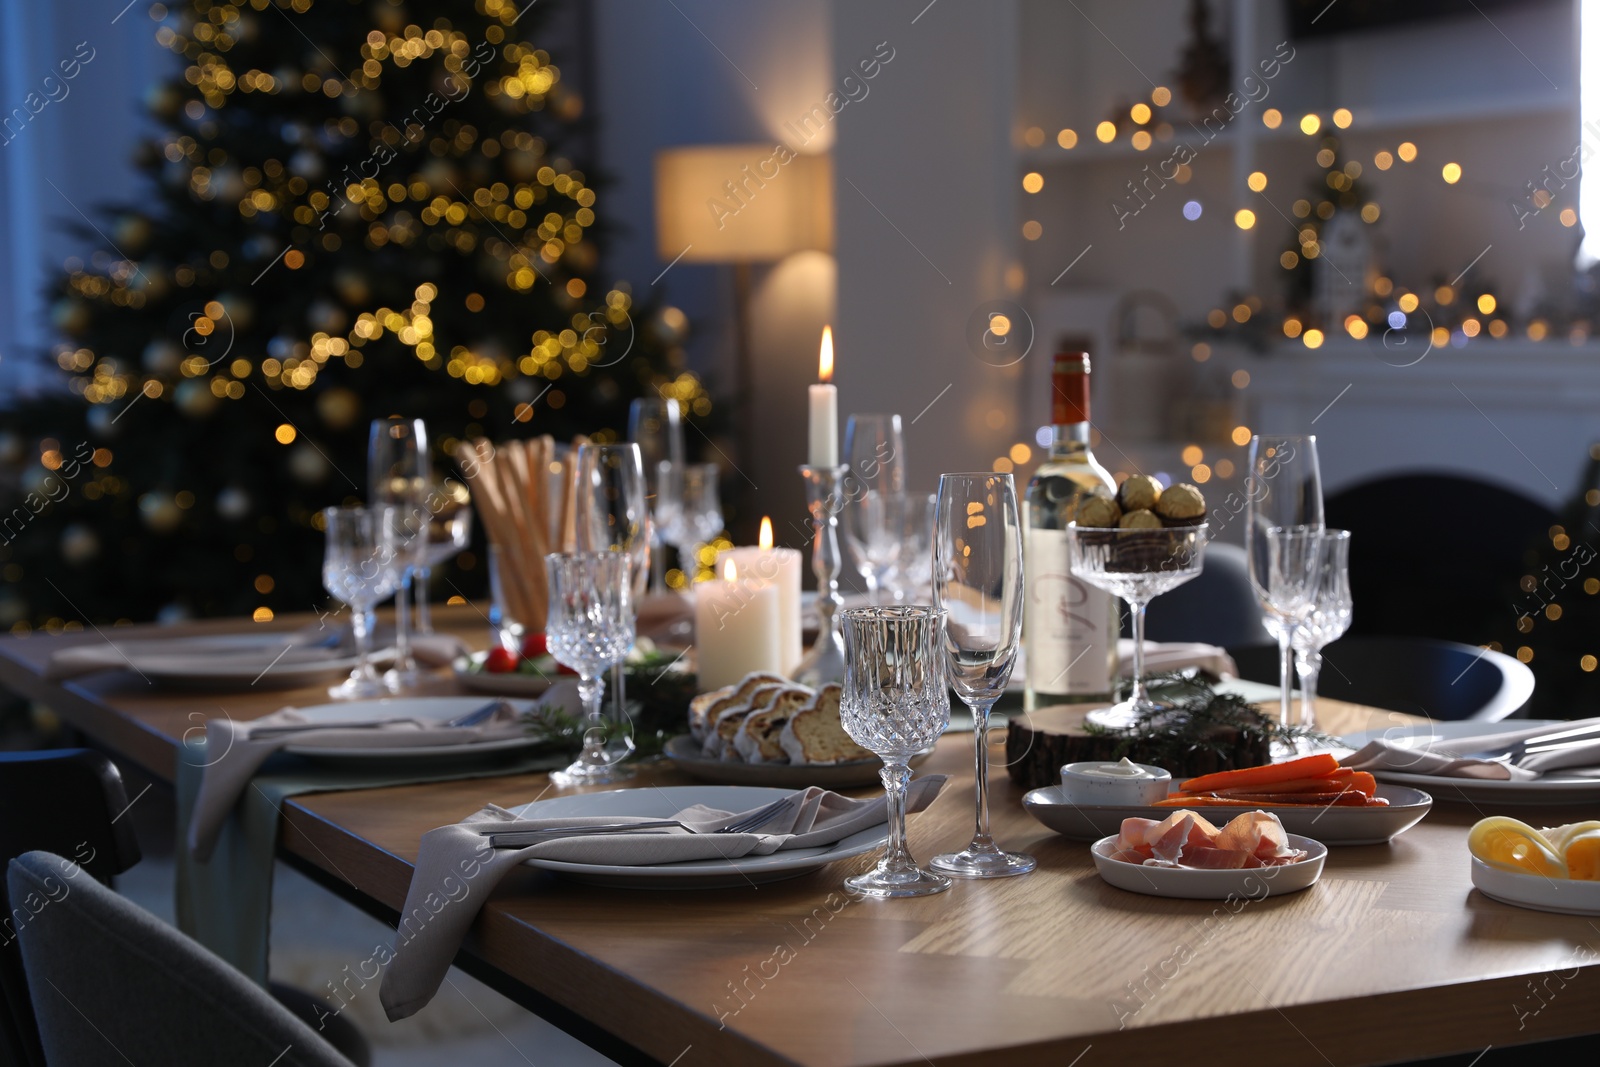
{"x": 735, "y": 628}
{"x": 778, "y": 567}
{"x": 824, "y": 426}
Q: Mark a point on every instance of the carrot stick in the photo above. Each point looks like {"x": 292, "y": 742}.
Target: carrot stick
{"x": 1365, "y": 782}
{"x": 1318, "y": 766}
{"x": 1332, "y": 782}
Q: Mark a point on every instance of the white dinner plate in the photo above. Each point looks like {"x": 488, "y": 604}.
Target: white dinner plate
{"x": 660, "y": 802}
{"x": 1252, "y": 883}
{"x": 264, "y": 660}
{"x": 1565, "y": 895}
{"x": 1570, "y": 786}
{"x": 1331, "y": 825}
{"x": 426, "y": 709}
{"x": 470, "y": 673}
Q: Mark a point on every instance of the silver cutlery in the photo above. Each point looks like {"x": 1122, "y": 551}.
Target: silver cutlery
{"x": 1554, "y": 741}
{"x": 522, "y": 838}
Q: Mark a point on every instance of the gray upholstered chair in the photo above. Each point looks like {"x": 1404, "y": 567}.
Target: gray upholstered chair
{"x": 110, "y": 982}
{"x": 1217, "y": 607}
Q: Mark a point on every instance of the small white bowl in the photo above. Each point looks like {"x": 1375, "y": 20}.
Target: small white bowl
{"x": 1078, "y": 786}
{"x": 1251, "y": 883}
{"x": 1563, "y": 895}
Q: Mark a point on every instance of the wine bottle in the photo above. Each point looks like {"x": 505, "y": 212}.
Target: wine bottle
{"x": 1069, "y": 627}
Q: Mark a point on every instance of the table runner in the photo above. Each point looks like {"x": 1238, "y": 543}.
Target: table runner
{"x": 226, "y": 903}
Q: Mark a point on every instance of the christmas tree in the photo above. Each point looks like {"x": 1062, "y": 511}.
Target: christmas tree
{"x": 357, "y": 208}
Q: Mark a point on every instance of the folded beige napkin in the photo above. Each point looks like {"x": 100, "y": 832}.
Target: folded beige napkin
{"x": 457, "y": 868}
{"x": 1445, "y": 758}
{"x": 233, "y": 756}
{"x": 1176, "y": 655}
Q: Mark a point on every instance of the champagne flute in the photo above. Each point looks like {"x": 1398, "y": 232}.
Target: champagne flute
{"x": 654, "y": 425}
{"x": 875, "y": 451}
{"x": 589, "y": 627}
{"x": 398, "y": 474}
{"x": 1283, "y": 539}
{"x": 361, "y": 566}
{"x": 697, "y": 517}
{"x": 977, "y": 583}
{"x": 614, "y": 516}
{"x": 895, "y": 703}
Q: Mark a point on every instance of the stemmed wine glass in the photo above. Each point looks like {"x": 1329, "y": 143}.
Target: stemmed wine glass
{"x": 614, "y": 516}
{"x": 449, "y": 532}
{"x": 875, "y": 451}
{"x": 590, "y": 627}
{"x": 654, "y": 425}
{"x": 914, "y": 519}
{"x": 398, "y": 474}
{"x": 1283, "y": 539}
{"x": 361, "y": 566}
{"x": 1138, "y": 565}
{"x": 977, "y": 583}
{"x": 697, "y": 517}
{"x": 1329, "y": 619}
{"x": 895, "y": 703}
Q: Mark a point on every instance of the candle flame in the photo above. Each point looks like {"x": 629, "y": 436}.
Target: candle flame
{"x": 825, "y": 357}
{"x": 729, "y": 572}
{"x": 766, "y": 532}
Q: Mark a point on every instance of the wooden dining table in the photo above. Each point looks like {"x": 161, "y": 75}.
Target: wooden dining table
{"x": 1391, "y": 956}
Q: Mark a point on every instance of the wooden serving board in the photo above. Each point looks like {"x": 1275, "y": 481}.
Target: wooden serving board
{"x": 1038, "y": 743}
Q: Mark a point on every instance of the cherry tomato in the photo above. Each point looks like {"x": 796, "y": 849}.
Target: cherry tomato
{"x": 500, "y": 661}
{"x": 534, "y": 646}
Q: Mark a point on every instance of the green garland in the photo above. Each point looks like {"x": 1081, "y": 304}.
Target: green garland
{"x": 1197, "y": 718}
{"x": 658, "y": 707}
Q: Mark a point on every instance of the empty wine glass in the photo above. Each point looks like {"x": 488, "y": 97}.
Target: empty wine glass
{"x": 697, "y": 517}
{"x": 1283, "y": 529}
{"x": 361, "y": 566}
{"x": 914, "y": 518}
{"x": 589, "y": 627}
{"x": 654, "y": 425}
{"x": 614, "y": 516}
{"x": 895, "y": 703}
{"x": 875, "y": 451}
{"x": 449, "y": 532}
{"x": 977, "y": 583}
{"x": 1329, "y": 619}
{"x": 398, "y": 474}
{"x": 1137, "y": 565}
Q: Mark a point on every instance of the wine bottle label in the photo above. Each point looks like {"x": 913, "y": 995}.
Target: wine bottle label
{"x": 1064, "y": 622}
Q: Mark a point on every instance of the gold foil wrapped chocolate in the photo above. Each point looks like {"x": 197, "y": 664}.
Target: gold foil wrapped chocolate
{"x": 1139, "y": 493}
{"x": 1140, "y": 519}
{"x": 1182, "y": 505}
{"x": 1098, "y": 511}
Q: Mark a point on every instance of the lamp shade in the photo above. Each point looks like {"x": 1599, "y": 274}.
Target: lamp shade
{"x": 742, "y": 203}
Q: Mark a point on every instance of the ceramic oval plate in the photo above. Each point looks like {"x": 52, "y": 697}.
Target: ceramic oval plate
{"x": 684, "y": 752}
{"x": 660, "y": 802}
{"x": 1333, "y": 826}
{"x": 1252, "y": 883}
{"x": 1564, "y": 895}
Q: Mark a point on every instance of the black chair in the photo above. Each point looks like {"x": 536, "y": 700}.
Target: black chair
{"x": 1438, "y": 679}
{"x": 1217, "y": 607}
{"x": 66, "y": 801}
{"x": 1436, "y": 555}
{"x": 70, "y": 802}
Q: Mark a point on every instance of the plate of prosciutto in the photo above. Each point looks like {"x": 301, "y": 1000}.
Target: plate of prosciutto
{"x": 1184, "y": 855}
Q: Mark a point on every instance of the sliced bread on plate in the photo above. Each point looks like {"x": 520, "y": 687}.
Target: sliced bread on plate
{"x": 815, "y": 735}
{"x": 756, "y": 740}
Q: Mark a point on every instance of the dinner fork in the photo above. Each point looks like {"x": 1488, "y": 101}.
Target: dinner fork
{"x": 520, "y": 838}
{"x": 475, "y": 717}
{"x": 1554, "y": 741}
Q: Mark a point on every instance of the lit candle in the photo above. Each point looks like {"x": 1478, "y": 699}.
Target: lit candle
{"x": 778, "y": 567}
{"x": 736, "y": 628}
{"x": 824, "y": 451}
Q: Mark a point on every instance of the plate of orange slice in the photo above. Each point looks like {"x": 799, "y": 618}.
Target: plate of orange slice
{"x": 1554, "y": 868}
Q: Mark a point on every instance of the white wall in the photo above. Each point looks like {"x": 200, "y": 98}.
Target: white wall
{"x": 925, "y": 232}
{"x": 720, "y": 72}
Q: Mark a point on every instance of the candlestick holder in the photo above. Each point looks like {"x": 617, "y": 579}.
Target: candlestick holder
{"x": 825, "y": 661}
